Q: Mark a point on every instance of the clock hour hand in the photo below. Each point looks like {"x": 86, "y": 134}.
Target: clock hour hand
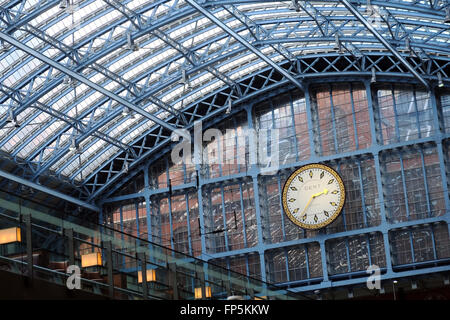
{"x": 325, "y": 191}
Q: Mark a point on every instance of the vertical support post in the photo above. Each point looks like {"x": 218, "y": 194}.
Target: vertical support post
{"x": 323, "y": 253}
{"x": 28, "y": 236}
{"x": 143, "y": 262}
{"x": 109, "y": 265}
{"x": 201, "y": 276}
{"x": 309, "y": 116}
{"x": 251, "y": 293}
{"x": 226, "y": 284}
{"x": 70, "y": 246}
{"x": 172, "y": 267}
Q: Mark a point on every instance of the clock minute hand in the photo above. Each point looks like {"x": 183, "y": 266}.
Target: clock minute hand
{"x": 325, "y": 191}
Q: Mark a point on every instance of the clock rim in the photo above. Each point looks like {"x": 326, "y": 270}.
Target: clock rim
{"x": 341, "y": 200}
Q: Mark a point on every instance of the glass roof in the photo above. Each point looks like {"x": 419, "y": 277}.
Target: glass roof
{"x": 140, "y": 50}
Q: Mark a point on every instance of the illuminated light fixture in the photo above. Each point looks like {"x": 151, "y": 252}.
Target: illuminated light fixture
{"x": 447, "y": 15}
{"x": 230, "y": 104}
{"x": 374, "y": 76}
{"x": 91, "y": 260}
{"x": 198, "y": 293}
{"x": 63, "y": 4}
{"x": 440, "y": 81}
{"x": 260, "y": 298}
{"x": 10, "y": 235}
{"x": 294, "y": 6}
{"x": 151, "y": 275}
{"x": 131, "y": 45}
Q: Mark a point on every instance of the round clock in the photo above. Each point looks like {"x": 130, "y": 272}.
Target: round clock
{"x": 313, "y": 196}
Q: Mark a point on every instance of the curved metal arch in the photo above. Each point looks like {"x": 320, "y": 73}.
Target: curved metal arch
{"x": 237, "y": 98}
{"x": 172, "y": 59}
{"x": 357, "y": 76}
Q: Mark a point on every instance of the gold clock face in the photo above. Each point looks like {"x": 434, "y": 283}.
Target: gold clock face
{"x": 313, "y": 196}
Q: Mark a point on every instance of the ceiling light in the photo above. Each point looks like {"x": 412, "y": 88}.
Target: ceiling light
{"x": 369, "y": 8}
{"x": 338, "y": 44}
{"x": 374, "y": 76}
{"x": 12, "y": 118}
{"x": 407, "y": 45}
{"x": 10, "y": 235}
{"x": 184, "y": 78}
{"x": 63, "y": 4}
{"x": 230, "y": 104}
{"x": 294, "y": 5}
{"x": 125, "y": 111}
{"x": 74, "y": 145}
{"x": 131, "y": 45}
{"x": 2, "y": 46}
{"x": 440, "y": 81}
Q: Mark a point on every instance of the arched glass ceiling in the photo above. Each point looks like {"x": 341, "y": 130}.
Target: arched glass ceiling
{"x": 166, "y": 57}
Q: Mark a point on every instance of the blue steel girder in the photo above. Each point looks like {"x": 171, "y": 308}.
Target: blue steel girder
{"x": 193, "y": 58}
{"x": 309, "y": 67}
{"x": 80, "y": 127}
{"x": 350, "y": 76}
{"x": 385, "y": 43}
{"x": 256, "y": 29}
{"x": 76, "y": 58}
{"x": 74, "y": 75}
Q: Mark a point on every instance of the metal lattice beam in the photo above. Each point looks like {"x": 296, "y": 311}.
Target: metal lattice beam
{"x": 388, "y": 46}
{"x": 49, "y": 191}
{"x": 82, "y": 79}
{"x": 250, "y": 47}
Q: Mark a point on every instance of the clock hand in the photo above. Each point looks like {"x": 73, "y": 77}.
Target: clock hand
{"x": 325, "y": 191}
